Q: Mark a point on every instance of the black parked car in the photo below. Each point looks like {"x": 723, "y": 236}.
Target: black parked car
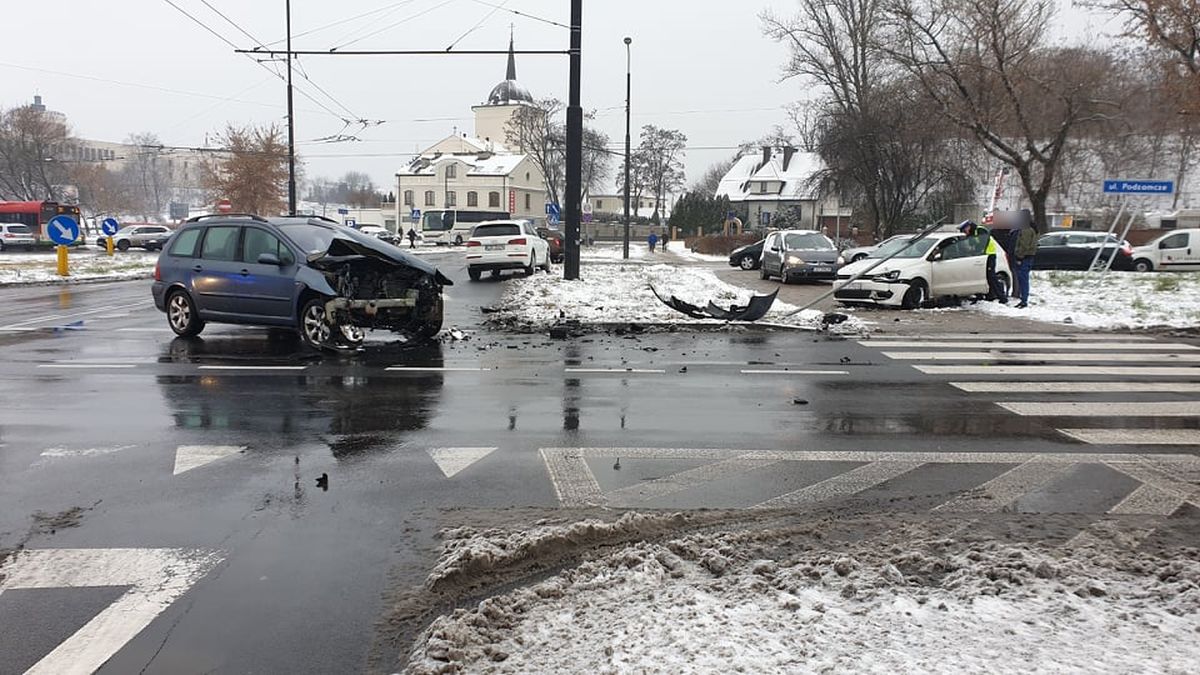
{"x": 748, "y": 257}
{"x": 1074, "y": 250}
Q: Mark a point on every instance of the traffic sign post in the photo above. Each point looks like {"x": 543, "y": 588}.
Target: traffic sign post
{"x": 415, "y": 215}
{"x": 553, "y": 213}
{"x": 1124, "y": 187}
{"x": 109, "y": 227}
{"x": 63, "y": 230}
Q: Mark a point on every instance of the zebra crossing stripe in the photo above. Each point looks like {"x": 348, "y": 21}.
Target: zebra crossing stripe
{"x": 574, "y": 483}
{"x": 1024, "y": 337}
{"x": 996, "y": 494}
{"x": 1077, "y": 387}
{"x": 1057, "y": 346}
{"x": 1038, "y": 356}
{"x": 1080, "y": 371}
{"x": 1135, "y": 436}
{"x": 1103, "y": 534}
{"x": 843, "y": 485}
{"x": 1103, "y": 409}
{"x": 1156, "y": 478}
{"x": 1148, "y": 499}
{"x": 684, "y": 480}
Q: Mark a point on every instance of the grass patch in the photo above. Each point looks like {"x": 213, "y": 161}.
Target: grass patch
{"x": 1166, "y": 283}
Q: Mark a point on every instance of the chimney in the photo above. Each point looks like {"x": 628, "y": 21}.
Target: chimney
{"x": 788, "y": 153}
{"x": 766, "y": 155}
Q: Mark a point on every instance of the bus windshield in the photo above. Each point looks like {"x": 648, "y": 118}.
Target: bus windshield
{"x": 438, "y": 221}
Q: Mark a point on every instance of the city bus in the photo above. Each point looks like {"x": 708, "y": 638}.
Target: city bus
{"x": 35, "y": 215}
{"x": 453, "y": 226}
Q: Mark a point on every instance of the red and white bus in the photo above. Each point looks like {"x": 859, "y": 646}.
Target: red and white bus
{"x": 35, "y": 215}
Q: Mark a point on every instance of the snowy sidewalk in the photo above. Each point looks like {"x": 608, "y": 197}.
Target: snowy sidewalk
{"x": 85, "y": 265}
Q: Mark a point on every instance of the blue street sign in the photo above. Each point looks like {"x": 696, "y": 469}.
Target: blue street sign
{"x": 553, "y": 210}
{"x": 110, "y": 226}
{"x": 343, "y": 212}
{"x": 415, "y": 215}
{"x": 63, "y": 230}
{"x": 350, "y": 222}
{"x": 1139, "y": 187}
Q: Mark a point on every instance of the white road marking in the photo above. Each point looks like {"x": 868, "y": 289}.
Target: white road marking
{"x": 453, "y": 460}
{"x": 188, "y": 457}
{"x": 1061, "y": 346}
{"x": 1109, "y": 533}
{"x": 1106, "y": 371}
{"x": 1135, "y": 436}
{"x": 87, "y": 365}
{"x": 1148, "y": 499}
{"x": 156, "y": 577}
{"x": 843, "y": 485}
{"x": 614, "y": 371}
{"x": 795, "y": 372}
{"x": 1163, "y": 481}
{"x": 1077, "y": 387}
{"x": 996, "y": 494}
{"x": 145, "y": 329}
{"x": 573, "y": 481}
{"x": 251, "y": 367}
{"x": 84, "y": 452}
{"x": 1105, "y": 409}
{"x": 684, "y": 480}
{"x": 1033, "y": 356}
{"x": 439, "y": 369}
{"x": 72, "y": 315}
{"x": 1030, "y": 337}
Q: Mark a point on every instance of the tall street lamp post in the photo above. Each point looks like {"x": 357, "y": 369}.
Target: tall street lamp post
{"x": 628, "y": 81}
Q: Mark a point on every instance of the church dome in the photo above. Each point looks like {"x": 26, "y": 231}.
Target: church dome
{"x": 508, "y": 92}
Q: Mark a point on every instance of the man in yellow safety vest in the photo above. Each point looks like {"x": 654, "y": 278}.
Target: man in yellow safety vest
{"x": 986, "y": 243}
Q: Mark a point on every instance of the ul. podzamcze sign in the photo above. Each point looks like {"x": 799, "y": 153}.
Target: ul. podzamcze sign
{"x": 1139, "y": 187}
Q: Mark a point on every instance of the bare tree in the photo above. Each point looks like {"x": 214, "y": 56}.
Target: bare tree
{"x": 1171, "y": 28}
{"x": 147, "y": 176}
{"x": 661, "y": 152}
{"x": 710, "y": 180}
{"x": 533, "y": 130}
{"x": 102, "y": 192}
{"x": 30, "y": 166}
{"x": 250, "y": 169}
{"x": 639, "y": 179}
{"x": 989, "y": 68}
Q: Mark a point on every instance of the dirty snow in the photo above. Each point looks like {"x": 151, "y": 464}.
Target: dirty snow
{"x": 1114, "y": 300}
{"x": 84, "y": 265}
{"x": 607, "y": 294}
{"x": 608, "y": 252}
{"x": 689, "y": 254}
{"x": 712, "y": 603}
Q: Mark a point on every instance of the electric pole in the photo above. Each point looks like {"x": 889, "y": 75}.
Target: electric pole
{"x": 628, "y": 91}
{"x": 574, "y": 145}
{"x": 291, "y": 119}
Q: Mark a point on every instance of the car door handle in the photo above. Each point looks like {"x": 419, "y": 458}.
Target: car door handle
{"x": 197, "y": 268}
{"x": 245, "y": 273}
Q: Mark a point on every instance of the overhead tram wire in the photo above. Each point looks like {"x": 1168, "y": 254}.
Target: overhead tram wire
{"x": 392, "y": 25}
{"x": 340, "y": 22}
{"x": 523, "y": 14}
{"x": 474, "y": 28}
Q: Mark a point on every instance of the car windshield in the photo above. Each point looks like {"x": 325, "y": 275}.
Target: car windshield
{"x": 808, "y": 241}
{"x": 497, "y": 230}
{"x": 917, "y": 250}
{"x": 438, "y": 221}
{"x": 310, "y": 238}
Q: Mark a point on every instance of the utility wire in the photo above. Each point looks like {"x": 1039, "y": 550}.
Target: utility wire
{"x": 343, "y": 21}
{"x": 523, "y": 14}
{"x": 474, "y": 28}
{"x": 393, "y": 25}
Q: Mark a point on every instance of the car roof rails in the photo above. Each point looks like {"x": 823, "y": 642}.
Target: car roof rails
{"x": 324, "y": 218}
{"x": 251, "y": 216}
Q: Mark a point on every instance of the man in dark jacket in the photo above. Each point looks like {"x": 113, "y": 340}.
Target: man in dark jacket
{"x": 1023, "y": 253}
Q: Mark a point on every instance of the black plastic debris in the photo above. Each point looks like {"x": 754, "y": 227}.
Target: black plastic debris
{"x": 756, "y": 309}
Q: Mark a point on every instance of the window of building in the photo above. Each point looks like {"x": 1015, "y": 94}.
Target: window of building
{"x": 528, "y": 201}
{"x": 408, "y": 197}
{"x": 430, "y": 198}
{"x": 494, "y": 200}
{"x": 452, "y": 171}
{"x": 451, "y": 199}
{"x": 472, "y": 199}
{"x": 526, "y": 176}
{"x": 599, "y": 204}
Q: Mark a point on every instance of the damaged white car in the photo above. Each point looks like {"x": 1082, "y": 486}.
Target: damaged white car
{"x": 330, "y": 283}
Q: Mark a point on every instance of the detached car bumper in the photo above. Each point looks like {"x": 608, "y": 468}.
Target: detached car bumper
{"x": 869, "y": 291}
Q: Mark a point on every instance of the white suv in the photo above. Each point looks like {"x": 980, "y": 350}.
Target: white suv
{"x": 15, "y": 234}
{"x": 498, "y": 245}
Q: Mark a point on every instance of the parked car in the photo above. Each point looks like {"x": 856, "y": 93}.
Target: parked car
{"x": 1178, "y": 250}
{"x": 1074, "y": 250}
{"x": 943, "y": 264}
{"x": 859, "y": 252}
{"x": 748, "y": 257}
{"x": 149, "y": 237}
{"x": 555, "y": 239}
{"x": 328, "y": 282}
{"x": 380, "y": 233}
{"x": 13, "y": 235}
{"x": 499, "y": 245}
{"x": 799, "y": 254}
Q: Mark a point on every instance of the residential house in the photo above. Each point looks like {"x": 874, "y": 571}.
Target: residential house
{"x": 765, "y": 185}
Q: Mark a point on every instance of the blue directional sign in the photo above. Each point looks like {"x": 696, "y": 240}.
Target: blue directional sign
{"x": 110, "y": 226}
{"x": 63, "y": 230}
{"x": 1139, "y": 187}
{"x": 553, "y": 213}
{"x": 343, "y": 212}
{"x": 415, "y": 215}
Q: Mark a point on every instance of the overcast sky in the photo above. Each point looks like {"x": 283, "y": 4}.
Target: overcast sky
{"x": 126, "y": 66}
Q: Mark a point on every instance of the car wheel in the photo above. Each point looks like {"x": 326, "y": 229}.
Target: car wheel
{"x": 746, "y": 263}
{"x": 314, "y": 329}
{"x": 531, "y": 266}
{"x": 182, "y": 316}
{"x": 123, "y": 244}
{"x": 431, "y": 320}
{"x": 858, "y": 256}
{"x": 783, "y": 277}
{"x": 351, "y": 336}
{"x": 546, "y": 264}
{"x": 762, "y": 273}
{"x": 916, "y": 295}
{"x": 1143, "y": 265}
{"x": 1, "y": 246}
{"x": 458, "y": 240}
{"x": 474, "y": 273}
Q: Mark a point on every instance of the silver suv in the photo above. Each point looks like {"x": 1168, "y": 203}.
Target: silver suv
{"x": 15, "y": 234}
{"x": 149, "y": 237}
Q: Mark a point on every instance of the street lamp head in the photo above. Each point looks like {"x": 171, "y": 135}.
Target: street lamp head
{"x": 628, "y": 40}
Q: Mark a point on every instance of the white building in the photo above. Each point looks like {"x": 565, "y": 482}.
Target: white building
{"x": 777, "y": 180}
{"x": 477, "y": 172}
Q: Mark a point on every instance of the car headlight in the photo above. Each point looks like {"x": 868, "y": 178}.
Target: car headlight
{"x": 841, "y": 260}
{"x": 795, "y": 260}
{"x": 890, "y": 276}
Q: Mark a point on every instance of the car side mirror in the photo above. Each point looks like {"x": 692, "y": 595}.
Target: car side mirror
{"x": 937, "y": 255}
{"x": 775, "y": 249}
{"x": 269, "y": 259}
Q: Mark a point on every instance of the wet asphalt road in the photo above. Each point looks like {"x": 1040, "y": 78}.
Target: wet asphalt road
{"x": 102, "y": 407}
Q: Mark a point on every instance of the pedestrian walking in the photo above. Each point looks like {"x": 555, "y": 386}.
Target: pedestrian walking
{"x": 652, "y": 240}
{"x": 987, "y": 244}
{"x": 666, "y": 239}
{"x": 1025, "y": 250}
{"x": 412, "y": 237}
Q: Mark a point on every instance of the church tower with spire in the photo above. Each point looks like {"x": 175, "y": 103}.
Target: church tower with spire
{"x": 502, "y": 103}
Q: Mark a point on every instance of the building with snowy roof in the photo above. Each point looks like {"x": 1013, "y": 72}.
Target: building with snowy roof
{"x": 477, "y": 172}
{"x": 779, "y": 180}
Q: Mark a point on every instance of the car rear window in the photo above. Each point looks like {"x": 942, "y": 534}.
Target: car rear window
{"x": 184, "y": 245}
{"x": 19, "y": 229}
{"x": 498, "y": 230}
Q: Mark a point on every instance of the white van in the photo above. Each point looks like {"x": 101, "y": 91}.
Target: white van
{"x": 1177, "y": 250}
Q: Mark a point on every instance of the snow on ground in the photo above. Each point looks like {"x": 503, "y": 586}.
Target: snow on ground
{"x": 713, "y": 603}
{"x": 84, "y": 265}
{"x": 608, "y": 252}
{"x": 1113, "y": 300}
{"x": 689, "y": 254}
{"x": 607, "y": 294}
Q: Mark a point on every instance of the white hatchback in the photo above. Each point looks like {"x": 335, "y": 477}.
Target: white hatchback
{"x": 13, "y": 235}
{"x": 944, "y": 264}
{"x": 498, "y": 245}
